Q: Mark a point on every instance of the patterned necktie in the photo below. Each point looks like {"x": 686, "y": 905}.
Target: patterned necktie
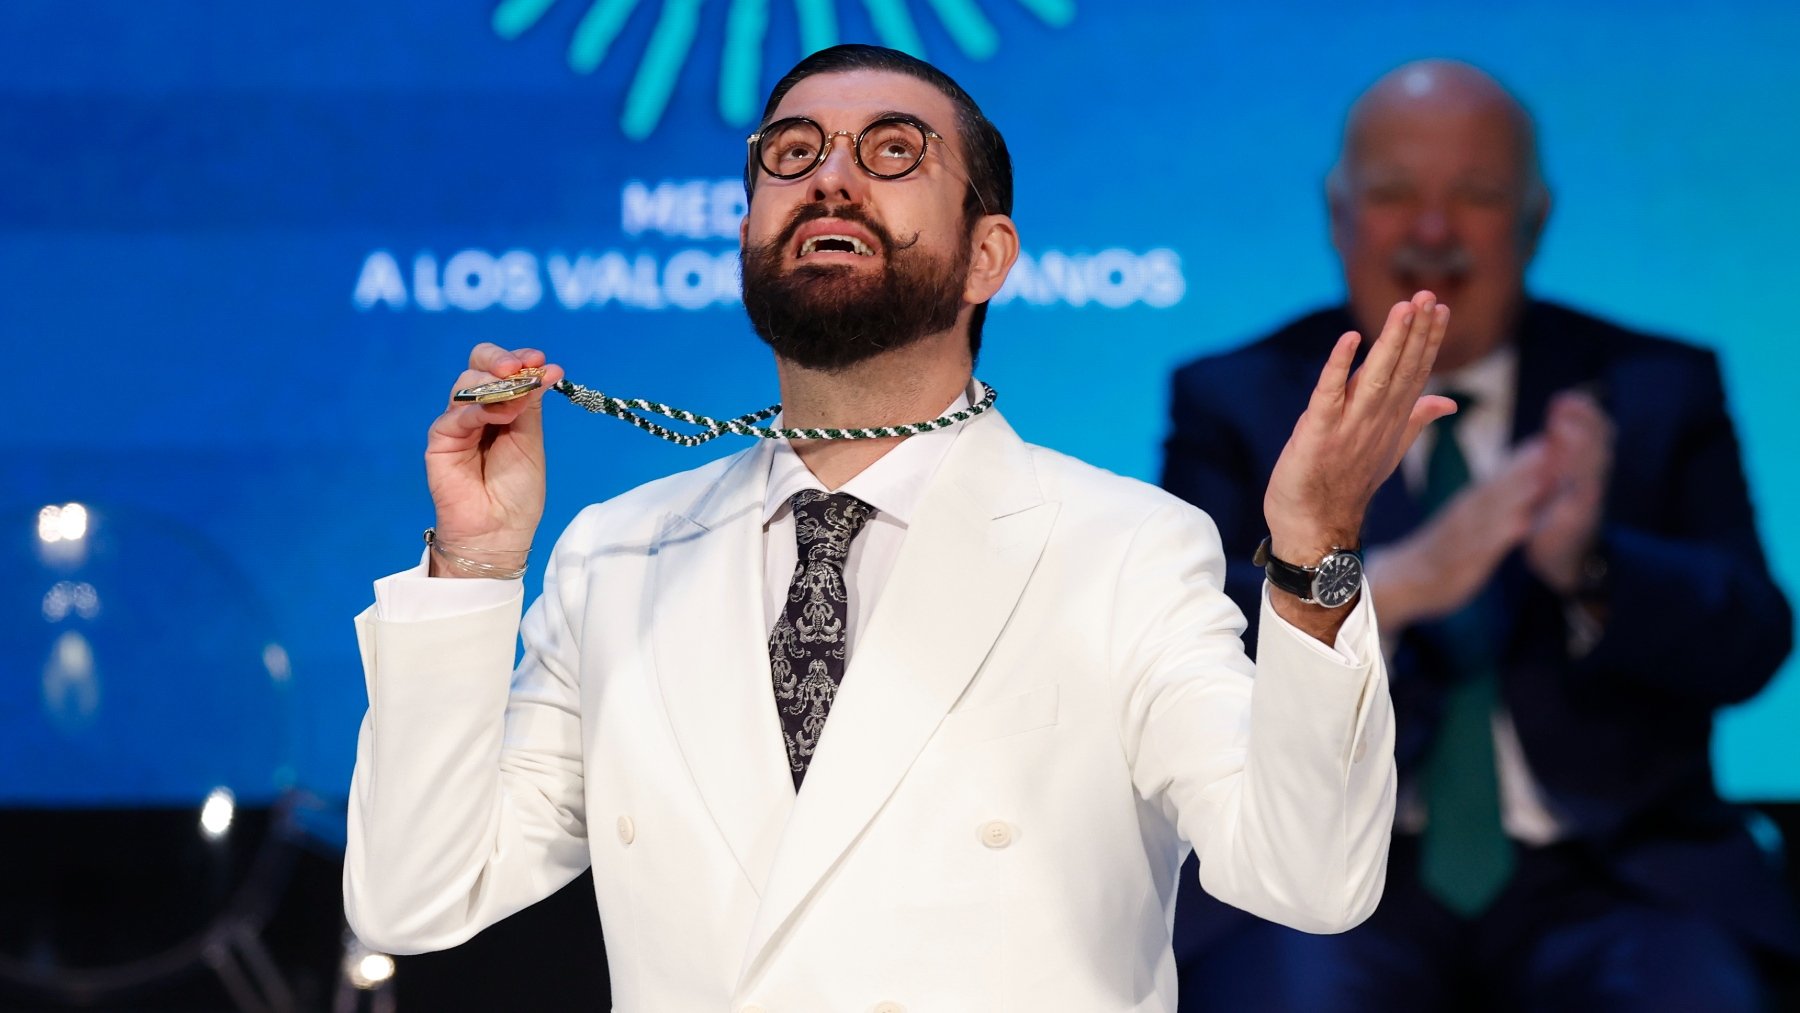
{"x": 807, "y": 647}
{"x": 1466, "y": 857}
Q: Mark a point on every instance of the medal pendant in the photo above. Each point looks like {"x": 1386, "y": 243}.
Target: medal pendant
{"x": 505, "y": 389}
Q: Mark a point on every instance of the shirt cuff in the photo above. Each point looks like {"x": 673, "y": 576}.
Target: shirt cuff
{"x": 414, "y": 596}
{"x": 1353, "y": 637}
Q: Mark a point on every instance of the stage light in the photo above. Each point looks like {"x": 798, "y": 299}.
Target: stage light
{"x": 67, "y": 596}
{"x": 71, "y": 687}
{"x": 66, "y": 523}
{"x": 365, "y": 968}
{"x": 374, "y": 969}
{"x": 275, "y": 662}
{"x": 215, "y": 815}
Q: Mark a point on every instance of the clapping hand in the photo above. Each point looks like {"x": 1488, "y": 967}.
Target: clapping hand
{"x": 1578, "y": 437}
{"x": 1444, "y": 564}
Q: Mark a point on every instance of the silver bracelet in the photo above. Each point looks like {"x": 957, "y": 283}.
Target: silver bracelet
{"x": 471, "y": 567}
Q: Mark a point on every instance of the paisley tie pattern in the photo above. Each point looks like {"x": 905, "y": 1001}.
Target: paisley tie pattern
{"x": 807, "y": 646}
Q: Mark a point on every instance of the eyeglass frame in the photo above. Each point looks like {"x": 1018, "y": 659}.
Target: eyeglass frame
{"x": 753, "y": 160}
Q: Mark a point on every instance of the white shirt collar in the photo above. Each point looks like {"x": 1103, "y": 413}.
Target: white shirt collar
{"x": 1483, "y": 429}
{"x": 1489, "y": 379}
{"x": 892, "y": 485}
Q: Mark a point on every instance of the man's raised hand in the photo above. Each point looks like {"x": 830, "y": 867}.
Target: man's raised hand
{"x": 1354, "y": 432}
{"x": 484, "y": 463}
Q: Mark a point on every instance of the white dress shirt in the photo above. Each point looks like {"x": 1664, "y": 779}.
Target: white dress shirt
{"x": 1484, "y": 432}
{"x": 892, "y": 485}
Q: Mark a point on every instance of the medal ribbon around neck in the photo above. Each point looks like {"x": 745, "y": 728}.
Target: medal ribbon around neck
{"x": 746, "y": 425}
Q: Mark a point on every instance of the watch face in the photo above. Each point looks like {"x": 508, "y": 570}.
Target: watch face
{"x": 1338, "y": 579}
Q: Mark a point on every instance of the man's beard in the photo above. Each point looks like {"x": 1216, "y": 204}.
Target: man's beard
{"x": 828, "y": 317}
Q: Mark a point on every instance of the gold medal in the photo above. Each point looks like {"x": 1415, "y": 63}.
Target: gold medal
{"x": 505, "y": 389}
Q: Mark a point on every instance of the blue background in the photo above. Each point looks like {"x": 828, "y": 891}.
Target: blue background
{"x": 193, "y": 196}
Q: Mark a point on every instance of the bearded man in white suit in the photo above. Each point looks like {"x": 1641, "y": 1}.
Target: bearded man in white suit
{"x": 957, "y": 768}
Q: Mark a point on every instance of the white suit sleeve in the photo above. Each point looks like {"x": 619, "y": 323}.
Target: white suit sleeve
{"x": 466, "y": 802}
{"x": 413, "y": 596}
{"x": 1281, "y": 774}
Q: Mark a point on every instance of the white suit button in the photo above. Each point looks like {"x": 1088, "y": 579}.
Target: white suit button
{"x": 995, "y": 834}
{"x": 887, "y": 1007}
{"x": 627, "y": 832}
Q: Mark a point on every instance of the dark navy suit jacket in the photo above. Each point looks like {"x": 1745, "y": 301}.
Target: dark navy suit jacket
{"x": 1618, "y": 739}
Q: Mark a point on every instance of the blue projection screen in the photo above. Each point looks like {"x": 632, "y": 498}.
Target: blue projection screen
{"x": 245, "y": 248}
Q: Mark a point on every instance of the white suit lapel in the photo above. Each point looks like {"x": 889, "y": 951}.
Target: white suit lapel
{"x": 972, "y": 546}
{"x": 712, "y": 661}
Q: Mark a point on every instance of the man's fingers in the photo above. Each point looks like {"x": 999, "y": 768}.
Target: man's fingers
{"x": 469, "y": 378}
{"x": 1579, "y": 400}
{"x": 1390, "y": 379}
{"x": 1429, "y": 409}
{"x": 1579, "y": 414}
{"x": 1527, "y": 462}
{"x": 490, "y": 358}
{"x": 1413, "y": 366}
{"x": 1426, "y": 410}
{"x": 1384, "y": 355}
{"x": 1328, "y": 395}
{"x": 530, "y": 419}
{"x": 457, "y": 428}
{"x": 460, "y": 422}
{"x": 1580, "y": 436}
{"x": 1440, "y": 325}
{"x": 463, "y": 419}
{"x": 484, "y": 355}
{"x": 1409, "y": 372}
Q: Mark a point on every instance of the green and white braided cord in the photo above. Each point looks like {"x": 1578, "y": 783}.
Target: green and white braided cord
{"x": 746, "y": 425}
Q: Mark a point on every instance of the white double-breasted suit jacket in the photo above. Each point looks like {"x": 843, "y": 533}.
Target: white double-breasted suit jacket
{"x": 1049, "y": 704}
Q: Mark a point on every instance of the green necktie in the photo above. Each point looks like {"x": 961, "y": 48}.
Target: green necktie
{"x": 1466, "y": 857}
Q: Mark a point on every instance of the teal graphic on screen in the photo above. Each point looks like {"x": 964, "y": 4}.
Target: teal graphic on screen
{"x": 741, "y": 88}
{"x": 246, "y": 248}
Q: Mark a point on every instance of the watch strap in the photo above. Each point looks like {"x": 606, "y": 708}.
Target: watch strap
{"x": 1295, "y": 580}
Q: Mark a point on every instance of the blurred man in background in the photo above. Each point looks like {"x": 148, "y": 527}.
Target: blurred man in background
{"x": 1569, "y": 583}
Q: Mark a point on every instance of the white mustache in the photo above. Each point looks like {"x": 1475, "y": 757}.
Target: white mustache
{"x": 1454, "y": 262}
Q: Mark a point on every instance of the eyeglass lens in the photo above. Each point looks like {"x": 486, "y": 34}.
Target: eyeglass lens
{"x": 885, "y": 149}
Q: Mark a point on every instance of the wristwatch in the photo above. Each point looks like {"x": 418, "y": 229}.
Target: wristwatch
{"x": 1332, "y": 583}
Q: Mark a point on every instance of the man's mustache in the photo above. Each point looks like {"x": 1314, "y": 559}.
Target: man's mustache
{"x": 815, "y": 210}
{"x": 1454, "y": 262}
